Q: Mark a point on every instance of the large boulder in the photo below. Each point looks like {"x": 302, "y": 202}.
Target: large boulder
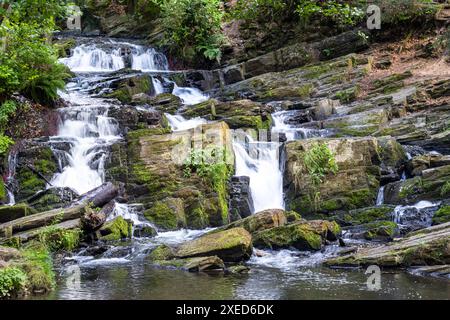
{"x": 263, "y": 220}
{"x": 174, "y": 195}
{"x": 354, "y": 185}
{"x": 124, "y": 89}
{"x": 302, "y": 235}
{"x": 232, "y": 245}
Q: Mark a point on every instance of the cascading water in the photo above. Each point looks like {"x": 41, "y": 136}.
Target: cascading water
{"x": 261, "y": 163}
{"x": 12, "y": 163}
{"x": 380, "y": 196}
{"x": 89, "y": 58}
{"x": 179, "y": 123}
{"x": 414, "y": 217}
{"x": 89, "y": 131}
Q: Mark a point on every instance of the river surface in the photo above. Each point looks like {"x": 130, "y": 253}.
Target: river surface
{"x": 122, "y": 272}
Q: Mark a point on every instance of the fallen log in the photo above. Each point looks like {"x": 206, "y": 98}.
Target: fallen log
{"x": 101, "y": 195}
{"x": 42, "y": 219}
{"x": 34, "y": 233}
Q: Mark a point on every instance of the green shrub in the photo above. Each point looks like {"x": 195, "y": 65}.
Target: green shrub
{"x": 12, "y": 281}
{"x": 5, "y": 143}
{"x": 320, "y": 161}
{"x": 192, "y": 27}
{"x": 38, "y": 265}
{"x": 60, "y": 239}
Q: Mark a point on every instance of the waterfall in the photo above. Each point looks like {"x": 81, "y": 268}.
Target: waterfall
{"x": 89, "y": 58}
{"x": 90, "y": 132}
{"x": 261, "y": 163}
{"x": 188, "y": 95}
{"x": 414, "y": 217}
{"x": 179, "y": 123}
{"x": 380, "y": 196}
{"x": 292, "y": 132}
{"x": 157, "y": 86}
{"x": 12, "y": 163}
{"x": 113, "y": 56}
{"x": 148, "y": 60}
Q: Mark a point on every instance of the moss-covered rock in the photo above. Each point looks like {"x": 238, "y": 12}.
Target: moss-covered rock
{"x": 36, "y": 165}
{"x": 354, "y": 184}
{"x": 263, "y": 220}
{"x": 299, "y": 235}
{"x": 167, "y": 214}
{"x": 231, "y": 245}
{"x": 175, "y": 194}
{"x": 365, "y": 215}
{"x": 240, "y": 114}
{"x": 442, "y": 215}
{"x": 161, "y": 253}
{"x": 126, "y": 88}
{"x": 380, "y": 230}
{"x": 116, "y": 229}
{"x": 430, "y": 246}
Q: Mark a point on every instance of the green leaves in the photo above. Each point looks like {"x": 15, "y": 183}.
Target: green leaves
{"x": 12, "y": 280}
{"x": 320, "y": 161}
{"x": 192, "y": 27}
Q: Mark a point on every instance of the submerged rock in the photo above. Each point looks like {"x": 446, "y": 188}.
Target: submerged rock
{"x": 231, "y": 245}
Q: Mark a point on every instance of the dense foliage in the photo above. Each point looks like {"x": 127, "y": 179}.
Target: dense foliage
{"x": 28, "y": 60}
{"x": 192, "y": 27}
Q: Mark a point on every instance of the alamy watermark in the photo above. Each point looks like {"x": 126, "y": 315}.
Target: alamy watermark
{"x": 374, "y": 280}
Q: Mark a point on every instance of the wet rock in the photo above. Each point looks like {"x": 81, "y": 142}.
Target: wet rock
{"x": 418, "y": 164}
{"x": 144, "y": 231}
{"x": 165, "y": 102}
{"x": 241, "y": 202}
{"x": 231, "y": 245}
{"x": 415, "y": 217}
{"x": 430, "y": 186}
{"x": 36, "y": 165}
{"x": 125, "y": 88}
{"x": 374, "y": 231}
{"x": 429, "y": 246}
{"x": 132, "y": 118}
{"x": 365, "y": 215}
{"x": 440, "y": 271}
{"x": 237, "y": 114}
{"x": 52, "y": 198}
{"x": 116, "y": 229}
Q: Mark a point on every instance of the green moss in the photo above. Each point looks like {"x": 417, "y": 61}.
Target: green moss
{"x": 367, "y": 215}
{"x": 361, "y": 198}
{"x": 445, "y": 189}
{"x": 442, "y": 215}
{"x": 136, "y": 134}
{"x": 60, "y": 239}
{"x": 116, "y": 229}
{"x": 253, "y": 122}
{"x": 2, "y": 190}
{"x": 161, "y": 253}
{"x": 162, "y": 216}
{"x": 38, "y": 265}
{"x": 380, "y": 229}
{"x": 348, "y": 95}
{"x": 410, "y": 187}
{"x": 299, "y": 236}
